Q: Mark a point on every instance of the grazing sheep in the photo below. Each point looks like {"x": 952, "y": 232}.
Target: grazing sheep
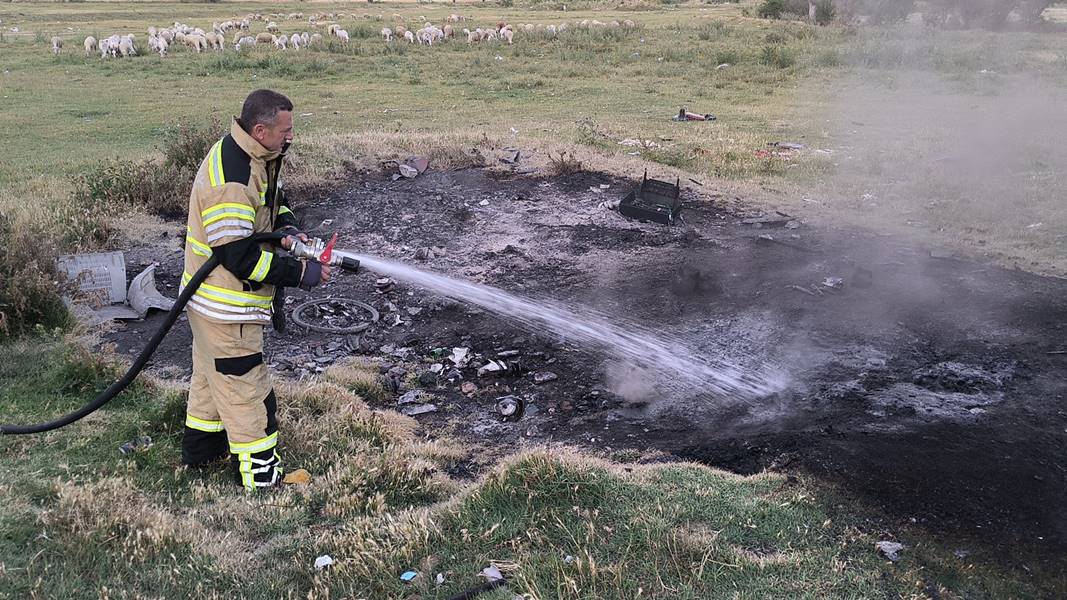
{"x": 197, "y": 42}
{"x": 316, "y": 39}
{"x": 57, "y": 44}
{"x": 264, "y": 38}
{"x": 343, "y": 36}
{"x": 551, "y": 30}
{"x": 279, "y": 42}
{"x": 90, "y": 45}
{"x": 161, "y": 47}
{"x": 295, "y": 41}
{"x": 399, "y": 31}
{"x": 333, "y": 29}
{"x": 387, "y": 34}
{"x": 448, "y": 32}
{"x": 410, "y": 37}
{"x": 272, "y": 27}
{"x": 629, "y": 24}
{"x": 304, "y": 39}
{"x": 214, "y": 40}
{"x": 506, "y": 34}
{"x": 245, "y": 25}
{"x": 126, "y": 48}
{"x": 167, "y": 35}
{"x": 152, "y": 31}
{"x": 245, "y": 42}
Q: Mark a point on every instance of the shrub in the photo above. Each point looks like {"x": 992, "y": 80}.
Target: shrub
{"x": 28, "y": 296}
{"x": 778, "y": 56}
{"x": 771, "y": 9}
{"x": 185, "y": 145}
{"x": 160, "y": 189}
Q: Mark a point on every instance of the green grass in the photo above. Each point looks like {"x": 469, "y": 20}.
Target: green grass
{"x": 82, "y": 520}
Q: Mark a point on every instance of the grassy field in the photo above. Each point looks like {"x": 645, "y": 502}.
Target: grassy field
{"x": 381, "y": 499}
{"x": 82, "y": 520}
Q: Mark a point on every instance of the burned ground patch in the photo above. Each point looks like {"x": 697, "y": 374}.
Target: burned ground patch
{"x": 924, "y": 383}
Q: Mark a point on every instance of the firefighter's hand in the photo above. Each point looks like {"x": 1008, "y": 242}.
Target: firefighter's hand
{"x": 324, "y": 275}
{"x": 287, "y": 241}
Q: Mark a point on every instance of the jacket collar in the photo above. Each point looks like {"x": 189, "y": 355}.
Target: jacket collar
{"x": 251, "y": 147}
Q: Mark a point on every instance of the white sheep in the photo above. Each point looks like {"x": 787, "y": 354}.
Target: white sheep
{"x": 161, "y": 47}
{"x": 152, "y": 31}
{"x": 410, "y": 37}
{"x": 629, "y": 24}
{"x": 167, "y": 35}
{"x": 387, "y": 34}
{"x": 448, "y": 32}
{"x": 272, "y": 27}
{"x": 57, "y": 44}
{"x": 295, "y": 41}
{"x": 214, "y": 40}
{"x": 305, "y": 39}
{"x": 126, "y": 48}
{"x": 343, "y": 36}
{"x": 90, "y": 45}
{"x": 197, "y": 42}
{"x": 279, "y": 42}
{"x": 316, "y": 39}
{"x": 551, "y": 30}
{"x": 506, "y": 34}
{"x": 245, "y": 42}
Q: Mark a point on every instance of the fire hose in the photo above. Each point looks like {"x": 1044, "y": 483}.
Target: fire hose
{"x": 314, "y": 249}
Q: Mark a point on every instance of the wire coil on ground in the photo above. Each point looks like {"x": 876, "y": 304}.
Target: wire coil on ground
{"x": 298, "y": 316}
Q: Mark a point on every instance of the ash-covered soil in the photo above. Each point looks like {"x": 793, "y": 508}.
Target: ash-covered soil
{"x": 928, "y": 384}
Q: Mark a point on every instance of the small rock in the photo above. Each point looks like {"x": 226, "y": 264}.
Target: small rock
{"x": 323, "y": 562}
{"x": 384, "y": 285}
{"x": 483, "y": 203}
{"x": 545, "y": 376}
{"x": 428, "y": 378}
{"x": 414, "y": 310}
{"x": 468, "y": 388}
{"x": 412, "y": 410}
{"x": 890, "y": 550}
{"x": 792, "y": 225}
{"x": 425, "y": 253}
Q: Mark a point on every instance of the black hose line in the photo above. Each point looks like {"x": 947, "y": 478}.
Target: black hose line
{"x": 135, "y": 369}
{"x": 142, "y": 359}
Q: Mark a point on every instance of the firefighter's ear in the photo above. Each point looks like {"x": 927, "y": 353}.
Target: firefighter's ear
{"x": 259, "y": 132}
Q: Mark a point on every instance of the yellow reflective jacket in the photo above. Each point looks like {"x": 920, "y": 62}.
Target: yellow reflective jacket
{"x": 237, "y": 193}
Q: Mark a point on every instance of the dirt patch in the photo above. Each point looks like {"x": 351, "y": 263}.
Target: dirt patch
{"x": 924, "y": 383}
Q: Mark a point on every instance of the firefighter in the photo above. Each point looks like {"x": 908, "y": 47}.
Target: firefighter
{"x": 237, "y": 193}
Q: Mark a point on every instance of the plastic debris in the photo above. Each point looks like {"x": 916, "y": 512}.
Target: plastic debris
{"x": 323, "y": 562}
{"x": 460, "y": 357}
{"x": 440, "y": 579}
{"x": 408, "y": 576}
{"x": 492, "y": 573}
{"x": 510, "y": 408}
{"x": 137, "y": 444}
{"x": 545, "y": 376}
{"x": 890, "y": 550}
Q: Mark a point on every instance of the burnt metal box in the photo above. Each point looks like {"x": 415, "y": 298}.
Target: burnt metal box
{"x": 653, "y": 200}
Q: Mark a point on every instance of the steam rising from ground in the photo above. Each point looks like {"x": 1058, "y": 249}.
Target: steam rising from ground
{"x": 959, "y": 135}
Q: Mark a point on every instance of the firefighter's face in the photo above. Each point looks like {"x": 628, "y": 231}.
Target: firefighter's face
{"x": 273, "y": 137}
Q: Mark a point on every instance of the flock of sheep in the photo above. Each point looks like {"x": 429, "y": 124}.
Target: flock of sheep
{"x": 161, "y": 40}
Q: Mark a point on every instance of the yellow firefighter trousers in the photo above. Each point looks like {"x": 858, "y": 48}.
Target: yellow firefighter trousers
{"x": 231, "y": 404}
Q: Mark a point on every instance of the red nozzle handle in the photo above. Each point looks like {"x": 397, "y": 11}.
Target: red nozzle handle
{"x": 324, "y": 258}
